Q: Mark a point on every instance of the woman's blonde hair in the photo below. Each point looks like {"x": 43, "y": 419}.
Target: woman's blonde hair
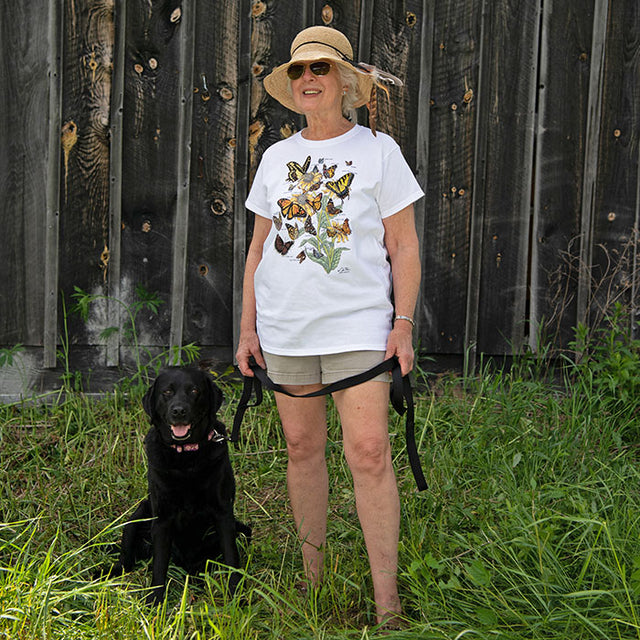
{"x": 349, "y": 78}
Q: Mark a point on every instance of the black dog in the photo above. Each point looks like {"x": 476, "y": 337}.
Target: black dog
{"x": 188, "y": 515}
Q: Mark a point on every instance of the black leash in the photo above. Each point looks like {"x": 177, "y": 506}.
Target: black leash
{"x": 401, "y": 399}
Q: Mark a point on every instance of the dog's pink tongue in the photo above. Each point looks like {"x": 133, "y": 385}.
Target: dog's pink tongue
{"x": 180, "y": 430}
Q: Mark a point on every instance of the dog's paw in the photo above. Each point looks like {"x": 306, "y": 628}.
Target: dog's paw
{"x": 155, "y": 596}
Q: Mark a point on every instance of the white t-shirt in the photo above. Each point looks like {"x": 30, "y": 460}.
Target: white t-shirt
{"x": 323, "y": 284}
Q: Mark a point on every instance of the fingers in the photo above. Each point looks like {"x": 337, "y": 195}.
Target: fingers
{"x": 401, "y": 346}
{"x": 249, "y": 347}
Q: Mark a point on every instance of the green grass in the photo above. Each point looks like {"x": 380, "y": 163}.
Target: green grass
{"x": 530, "y": 527}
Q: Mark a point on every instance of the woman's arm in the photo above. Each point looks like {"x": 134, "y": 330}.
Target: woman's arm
{"x": 248, "y": 343}
{"x": 401, "y": 241}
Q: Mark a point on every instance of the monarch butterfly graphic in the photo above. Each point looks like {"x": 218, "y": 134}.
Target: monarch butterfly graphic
{"x": 293, "y": 231}
{"x": 291, "y": 209}
{"x": 296, "y": 171}
{"x": 315, "y": 201}
{"x": 339, "y": 231}
{"x": 308, "y": 226}
{"x": 332, "y": 210}
{"x": 341, "y": 186}
{"x": 282, "y": 247}
{"x": 329, "y": 172}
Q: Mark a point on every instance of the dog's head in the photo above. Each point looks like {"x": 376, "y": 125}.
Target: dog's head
{"x": 182, "y": 404}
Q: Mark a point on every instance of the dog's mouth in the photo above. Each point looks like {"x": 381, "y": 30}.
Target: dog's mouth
{"x": 180, "y": 431}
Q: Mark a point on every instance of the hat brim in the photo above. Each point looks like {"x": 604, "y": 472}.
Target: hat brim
{"x": 277, "y": 82}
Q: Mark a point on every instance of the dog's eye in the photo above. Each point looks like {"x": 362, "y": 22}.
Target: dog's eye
{"x": 195, "y": 391}
{"x": 167, "y": 392}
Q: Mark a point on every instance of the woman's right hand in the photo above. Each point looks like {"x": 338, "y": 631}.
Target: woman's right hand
{"x": 248, "y": 347}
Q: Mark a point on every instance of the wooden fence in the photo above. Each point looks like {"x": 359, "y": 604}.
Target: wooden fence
{"x": 131, "y": 130}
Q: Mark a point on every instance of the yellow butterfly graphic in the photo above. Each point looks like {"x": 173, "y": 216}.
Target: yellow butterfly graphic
{"x": 296, "y": 171}
{"x": 341, "y": 186}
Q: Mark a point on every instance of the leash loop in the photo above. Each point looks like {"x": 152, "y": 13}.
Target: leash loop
{"x": 401, "y": 396}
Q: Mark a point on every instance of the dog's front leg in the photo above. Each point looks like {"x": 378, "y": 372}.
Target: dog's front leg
{"x": 161, "y": 544}
{"x": 226, "y": 527}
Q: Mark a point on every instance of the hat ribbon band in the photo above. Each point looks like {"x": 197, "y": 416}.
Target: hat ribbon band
{"x": 324, "y": 44}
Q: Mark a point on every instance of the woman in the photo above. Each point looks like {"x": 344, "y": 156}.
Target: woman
{"x": 334, "y": 206}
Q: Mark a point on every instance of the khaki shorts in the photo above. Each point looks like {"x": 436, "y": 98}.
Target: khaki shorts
{"x": 325, "y": 369}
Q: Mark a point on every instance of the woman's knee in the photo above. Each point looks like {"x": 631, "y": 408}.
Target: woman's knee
{"x": 371, "y": 456}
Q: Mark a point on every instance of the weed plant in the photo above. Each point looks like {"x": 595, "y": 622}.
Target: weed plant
{"x": 529, "y": 529}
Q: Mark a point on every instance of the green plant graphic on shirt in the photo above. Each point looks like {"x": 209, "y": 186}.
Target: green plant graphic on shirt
{"x": 324, "y": 249}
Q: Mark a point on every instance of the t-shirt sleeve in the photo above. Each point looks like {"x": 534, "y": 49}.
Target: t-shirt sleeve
{"x": 399, "y": 187}
{"x": 257, "y": 199}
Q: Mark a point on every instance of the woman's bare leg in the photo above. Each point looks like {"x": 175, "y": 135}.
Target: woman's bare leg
{"x": 364, "y": 415}
{"x": 305, "y": 429}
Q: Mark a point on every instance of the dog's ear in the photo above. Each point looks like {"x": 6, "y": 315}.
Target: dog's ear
{"x": 216, "y": 397}
{"x": 148, "y": 402}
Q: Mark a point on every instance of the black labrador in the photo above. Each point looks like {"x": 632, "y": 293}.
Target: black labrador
{"x": 188, "y": 515}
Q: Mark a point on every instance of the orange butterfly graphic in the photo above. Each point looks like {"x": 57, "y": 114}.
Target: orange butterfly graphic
{"x": 308, "y": 226}
{"x": 329, "y": 172}
{"x": 315, "y": 201}
{"x": 339, "y": 231}
{"x": 332, "y": 210}
{"x": 291, "y": 209}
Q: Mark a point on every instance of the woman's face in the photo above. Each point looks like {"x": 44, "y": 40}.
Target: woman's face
{"x": 319, "y": 95}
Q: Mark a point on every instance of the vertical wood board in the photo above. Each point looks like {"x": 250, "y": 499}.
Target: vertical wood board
{"x": 615, "y": 203}
{"x": 563, "y": 91}
{"x": 151, "y": 112}
{"x": 511, "y": 62}
{"x": 211, "y": 226}
{"x": 450, "y": 183}
{"x": 84, "y": 138}
{"x": 24, "y": 130}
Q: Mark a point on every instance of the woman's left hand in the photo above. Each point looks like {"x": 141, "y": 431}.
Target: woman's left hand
{"x": 400, "y": 344}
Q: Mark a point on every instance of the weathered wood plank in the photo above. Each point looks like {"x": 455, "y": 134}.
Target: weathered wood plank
{"x": 565, "y": 60}
{"x": 183, "y": 182}
{"x": 209, "y": 270}
{"x": 273, "y": 29}
{"x": 151, "y": 106}
{"x": 594, "y": 113}
{"x": 511, "y": 64}
{"x": 84, "y": 184}
{"x": 615, "y": 201}
{"x": 51, "y": 266}
{"x": 24, "y": 94}
{"x": 395, "y": 47}
{"x": 450, "y": 185}
{"x": 241, "y": 219}
{"x": 423, "y": 124}
{"x": 116, "y": 131}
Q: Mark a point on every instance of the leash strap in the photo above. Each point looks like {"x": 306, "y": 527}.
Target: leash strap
{"x": 401, "y": 399}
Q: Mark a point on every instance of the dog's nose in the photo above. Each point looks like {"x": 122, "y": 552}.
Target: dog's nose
{"x": 178, "y": 412}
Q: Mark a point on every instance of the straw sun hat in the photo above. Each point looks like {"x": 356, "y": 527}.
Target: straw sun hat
{"x": 318, "y": 43}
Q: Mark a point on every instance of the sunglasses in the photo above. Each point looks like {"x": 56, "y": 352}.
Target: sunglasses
{"x": 319, "y": 68}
